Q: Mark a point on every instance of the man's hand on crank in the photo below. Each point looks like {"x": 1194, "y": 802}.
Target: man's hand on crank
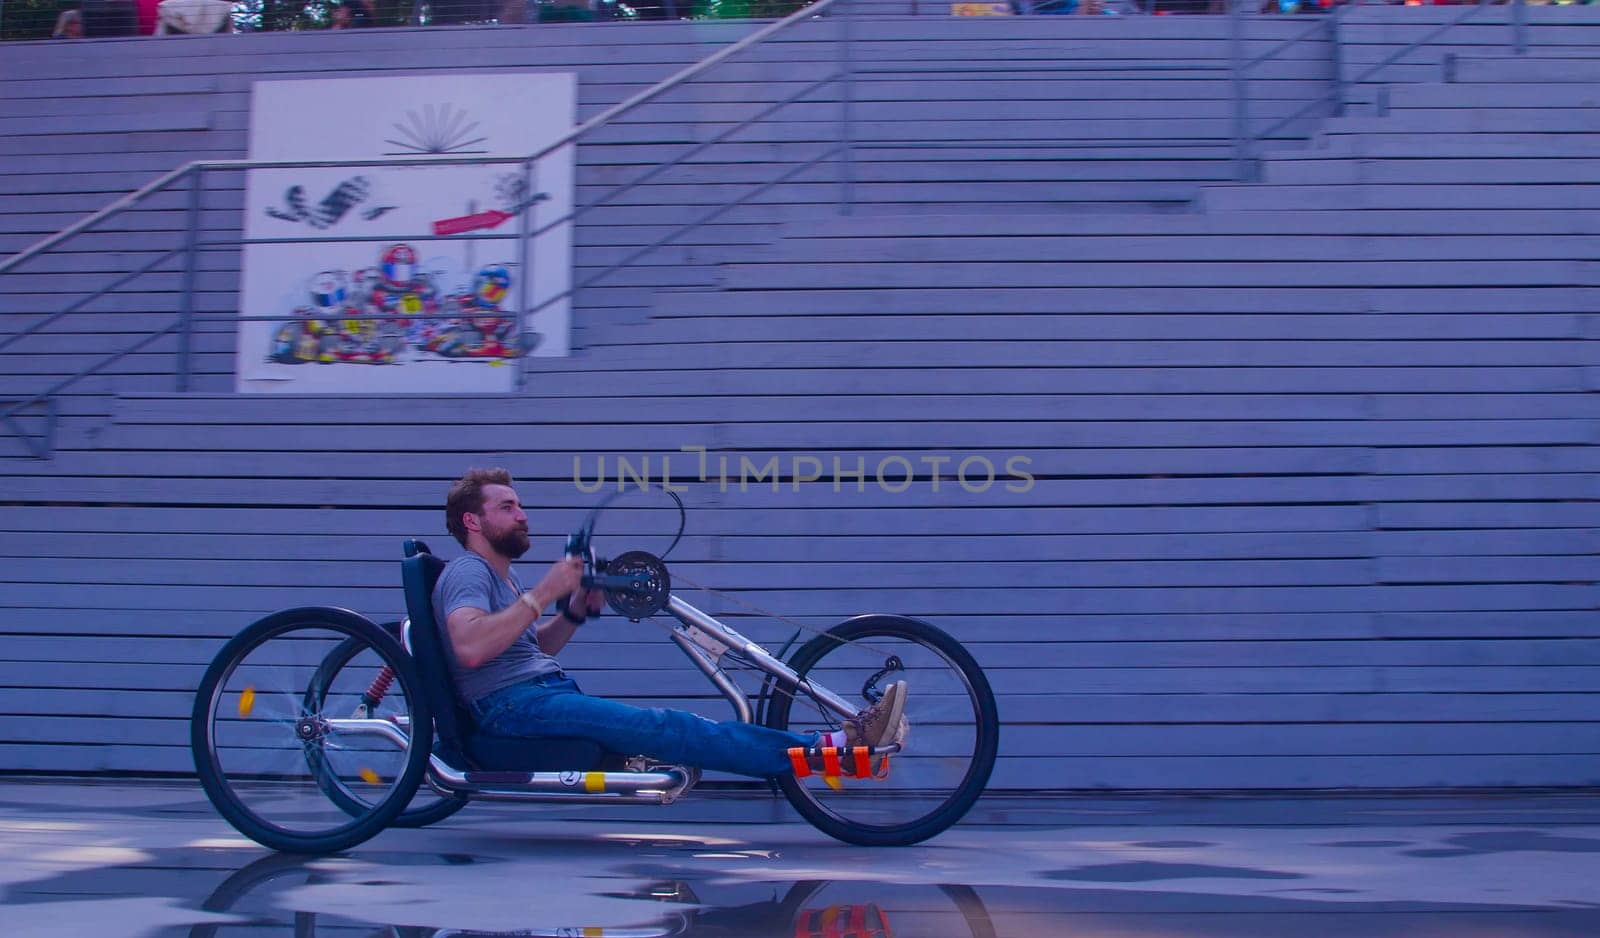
{"x": 586, "y": 602}
{"x": 563, "y": 578}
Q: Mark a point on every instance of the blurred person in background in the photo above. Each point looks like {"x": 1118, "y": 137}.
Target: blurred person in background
{"x": 69, "y": 25}
{"x": 352, "y": 14}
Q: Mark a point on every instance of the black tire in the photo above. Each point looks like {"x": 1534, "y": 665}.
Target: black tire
{"x": 949, "y": 755}
{"x": 265, "y": 759}
{"x": 427, "y": 806}
{"x": 254, "y": 902}
{"x": 238, "y": 886}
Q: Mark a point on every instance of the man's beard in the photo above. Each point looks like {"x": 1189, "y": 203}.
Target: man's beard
{"x": 511, "y": 541}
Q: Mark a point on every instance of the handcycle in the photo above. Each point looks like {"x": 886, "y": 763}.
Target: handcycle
{"x": 316, "y": 728}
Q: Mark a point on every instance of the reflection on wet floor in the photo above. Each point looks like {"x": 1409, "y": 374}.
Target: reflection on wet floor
{"x": 300, "y": 897}
{"x": 267, "y": 896}
{"x": 638, "y": 895}
{"x": 97, "y": 865}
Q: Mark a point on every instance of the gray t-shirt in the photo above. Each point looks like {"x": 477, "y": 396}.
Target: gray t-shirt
{"x": 469, "y": 581}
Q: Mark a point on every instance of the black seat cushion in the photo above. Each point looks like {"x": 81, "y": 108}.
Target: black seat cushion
{"x": 458, "y": 740}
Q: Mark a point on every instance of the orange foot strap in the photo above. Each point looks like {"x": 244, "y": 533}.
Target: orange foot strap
{"x": 857, "y": 762}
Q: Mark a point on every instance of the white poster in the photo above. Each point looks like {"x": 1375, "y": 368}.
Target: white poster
{"x": 392, "y": 310}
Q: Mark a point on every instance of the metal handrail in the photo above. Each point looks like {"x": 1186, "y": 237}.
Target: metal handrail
{"x": 1244, "y": 140}
{"x": 1245, "y": 145}
{"x": 195, "y": 168}
{"x": 1337, "y": 92}
{"x": 127, "y": 201}
{"x": 83, "y": 301}
{"x": 599, "y": 120}
{"x": 662, "y": 87}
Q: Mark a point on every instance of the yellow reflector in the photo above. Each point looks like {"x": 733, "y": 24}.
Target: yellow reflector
{"x": 594, "y": 782}
{"x": 247, "y": 701}
{"x": 834, "y": 782}
{"x": 369, "y": 776}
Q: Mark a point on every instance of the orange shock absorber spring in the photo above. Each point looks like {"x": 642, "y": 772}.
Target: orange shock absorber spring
{"x": 378, "y": 687}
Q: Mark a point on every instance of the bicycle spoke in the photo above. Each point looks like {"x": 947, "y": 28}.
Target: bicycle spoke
{"x": 948, "y": 751}
{"x": 277, "y": 762}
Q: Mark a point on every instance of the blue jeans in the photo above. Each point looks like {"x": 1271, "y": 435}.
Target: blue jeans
{"x": 553, "y": 705}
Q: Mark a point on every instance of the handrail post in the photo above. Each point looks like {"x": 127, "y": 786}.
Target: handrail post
{"x": 1336, "y": 53}
{"x": 1519, "y": 26}
{"x": 525, "y": 272}
{"x": 846, "y": 108}
{"x": 1241, "y": 90}
{"x": 191, "y": 235}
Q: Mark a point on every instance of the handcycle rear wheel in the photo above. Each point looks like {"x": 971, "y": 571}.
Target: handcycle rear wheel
{"x": 951, "y": 748}
{"x": 270, "y": 755}
{"x": 427, "y": 806}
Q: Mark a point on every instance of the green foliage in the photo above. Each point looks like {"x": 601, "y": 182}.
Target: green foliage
{"x": 746, "y": 9}
{"x": 282, "y": 15}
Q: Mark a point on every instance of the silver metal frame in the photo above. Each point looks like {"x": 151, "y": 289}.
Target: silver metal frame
{"x": 704, "y": 640}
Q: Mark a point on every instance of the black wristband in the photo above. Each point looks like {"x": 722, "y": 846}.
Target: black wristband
{"x": 566, "y": 613}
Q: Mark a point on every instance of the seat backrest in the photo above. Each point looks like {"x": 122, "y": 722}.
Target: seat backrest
{"x": 451, "y": 722}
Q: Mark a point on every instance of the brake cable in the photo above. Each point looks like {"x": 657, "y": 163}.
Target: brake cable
{"x": 585, "y": 533}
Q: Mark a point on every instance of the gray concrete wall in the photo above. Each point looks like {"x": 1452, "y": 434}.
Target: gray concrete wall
{"x": 1312, "y": 457}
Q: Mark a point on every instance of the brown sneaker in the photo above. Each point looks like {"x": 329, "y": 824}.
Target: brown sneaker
{"x": 882, "y": 723}
{"x": 879, "y": 725}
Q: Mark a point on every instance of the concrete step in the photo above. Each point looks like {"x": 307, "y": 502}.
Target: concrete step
{"x": 1543, "y": 69}
{"x": 1496, "y": 94}
{"x": 1573, "y": 220}
{"x": 1445, "y": 145}
{"x": 1142, "y": 300}
{"x": 1171, "y": 247}
{"x": 1445, "y": 197}
{"x": 1429, "y": 171}
{"x": 1276, "y": 270}
{"x": 1549, "y": 120}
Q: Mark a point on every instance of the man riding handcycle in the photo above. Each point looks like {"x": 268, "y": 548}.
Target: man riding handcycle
{"x": 310, "y": 727}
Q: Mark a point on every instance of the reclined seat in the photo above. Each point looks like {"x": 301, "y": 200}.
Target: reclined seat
{"x": 458, "y": 741}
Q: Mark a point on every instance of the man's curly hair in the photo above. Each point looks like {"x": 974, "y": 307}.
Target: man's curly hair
{"x": 466, "y": 495}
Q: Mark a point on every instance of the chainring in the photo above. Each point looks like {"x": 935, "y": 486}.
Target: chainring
{"x": 650, "y": 587}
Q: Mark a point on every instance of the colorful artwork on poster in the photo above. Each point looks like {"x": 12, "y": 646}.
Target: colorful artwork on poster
{"x": 391, "y": 313}
{"x": 413, "y": 268}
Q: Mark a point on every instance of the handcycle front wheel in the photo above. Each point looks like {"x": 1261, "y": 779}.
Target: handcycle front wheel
{"x": 949, "y": 752}
{"x": 333, "y": 678}
{"x": 271, "y": 755}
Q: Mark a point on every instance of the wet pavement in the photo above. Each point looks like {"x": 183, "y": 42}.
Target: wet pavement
{"x": 144, "y": 858}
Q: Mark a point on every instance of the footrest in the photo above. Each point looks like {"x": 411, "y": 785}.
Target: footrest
{"x": 834, "y": 762}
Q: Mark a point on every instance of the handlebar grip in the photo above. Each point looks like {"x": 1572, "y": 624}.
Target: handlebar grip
{"x": 615, "y": 581}
{"x": 562, "y": 604}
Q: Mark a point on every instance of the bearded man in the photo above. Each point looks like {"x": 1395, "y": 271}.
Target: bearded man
{"x": 502, "y": 649}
